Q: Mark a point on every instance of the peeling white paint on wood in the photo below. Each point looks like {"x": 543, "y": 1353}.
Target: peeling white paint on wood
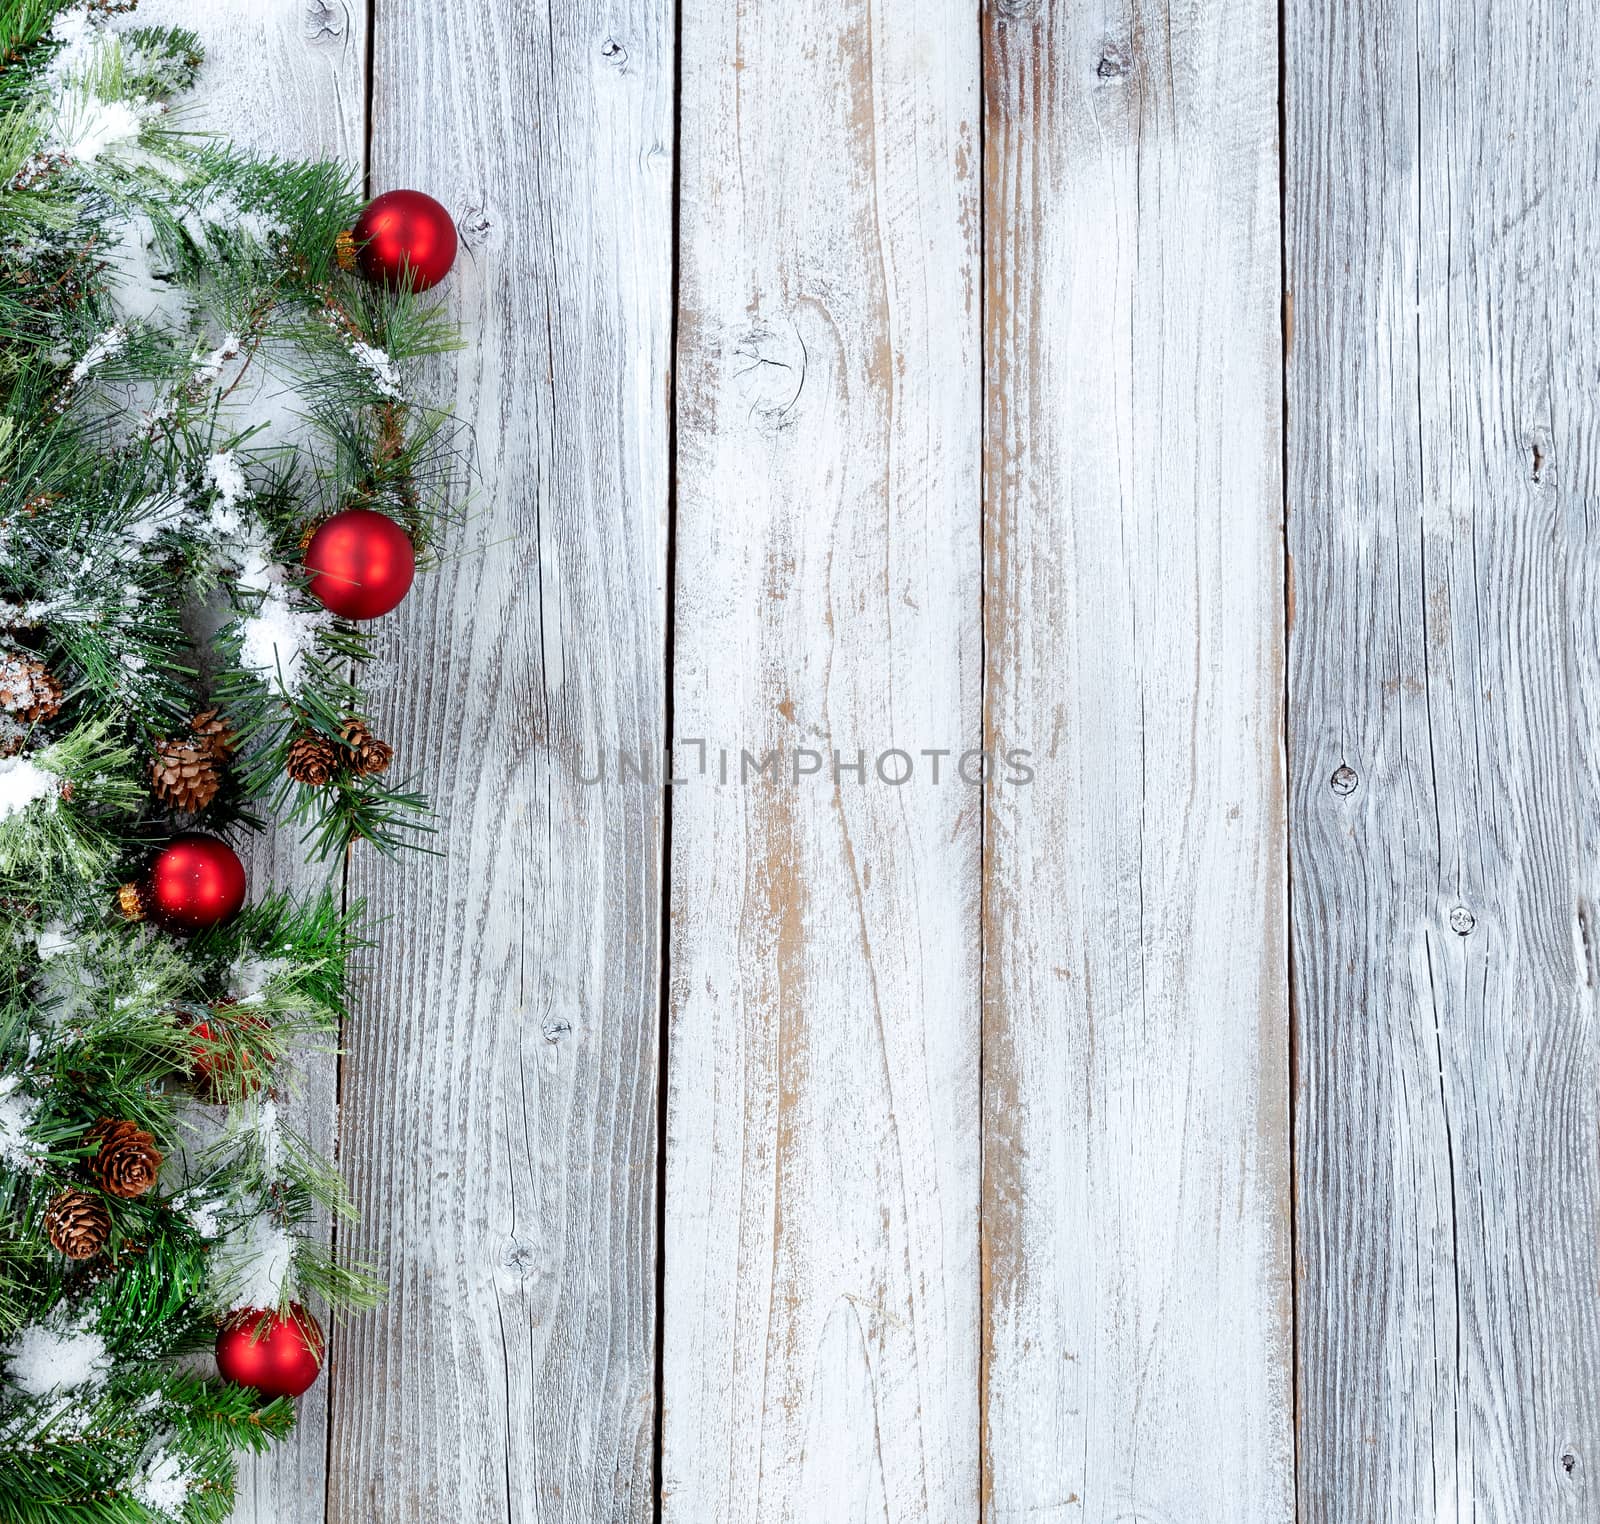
{"x": 1442, "y": 237}
{"x": 1135, "y": 1204}
{"x": 499, "y": 1105}
{"x": 820, "y": 1338}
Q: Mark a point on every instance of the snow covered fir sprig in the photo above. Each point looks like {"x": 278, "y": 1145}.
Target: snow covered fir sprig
{"x": 217, "y": 468}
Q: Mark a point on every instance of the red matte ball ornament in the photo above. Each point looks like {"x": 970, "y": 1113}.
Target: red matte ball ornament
{"x": 361, "y": 563}
{"x": 278, "y": 1356}
{"x": 196, "y": 881}
{"x": 404, "y": 240}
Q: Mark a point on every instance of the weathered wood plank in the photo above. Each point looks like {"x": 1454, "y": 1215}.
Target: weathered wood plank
{"x": 820, "y": 1332}
{"x": 501, "y": 1077}
{"x": 1442, "y": 245}
{"x": 1136, "y": 1148}
{"x": 288, "y": 79}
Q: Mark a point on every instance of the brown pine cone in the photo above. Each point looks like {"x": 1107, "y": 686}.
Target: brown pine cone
{"x": 130, "y": 901}
{"x": 77, "y": 1224}
{"x": 344, "y": 249}
{"x": 312, "y": 759}
{"x": 184, "y": 775}
{"x": 28, "y": 689}
{"x": 214, "y": 733}
{"x": 127, "y": 1161}
{"x": 368, "y": 754}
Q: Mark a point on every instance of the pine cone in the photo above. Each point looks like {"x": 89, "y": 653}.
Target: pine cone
{"x": 28, "y": 689}
{"x": 344, "y": 249}
{"x": 214, "y": 733}
{"x": 77, "y": 1224}
{"x": 127, "y": 1161}
{"x": 184, "y": 775}
{"x": 312, "y": 759}
{"x": 130, "y": 901}
{"x": 368, "y": 754}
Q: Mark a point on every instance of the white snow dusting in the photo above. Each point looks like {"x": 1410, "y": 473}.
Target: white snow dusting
{"x": 17, "y": 1111}
{"x": 252, "y": 1264}
{"x": 225, "y": 474}
{"x": 141, "y": 288}
{"x": 278, "y": 636}
{"x": 58, "y": 1355}
{"x": 53, "y": 939}
{"x": 163, "y": 1484}
{"x": 204, "y": 1213}
{"x": 23, "y": 783}
{"x": 79, "y": 38}
{"x": 379, "y": 366}
{"x": 154, "y": 514}
{"x": 209, "y": 366}
{"x": 264, "y": 1123}
{"x": 86, "y": 127}
{"x": 105, "y": 345}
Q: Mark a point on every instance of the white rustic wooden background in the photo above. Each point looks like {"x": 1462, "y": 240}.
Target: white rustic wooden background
{"x": 1201, "y": 394}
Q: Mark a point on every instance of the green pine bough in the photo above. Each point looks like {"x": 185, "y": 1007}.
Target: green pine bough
{"x": 191, "y": 383}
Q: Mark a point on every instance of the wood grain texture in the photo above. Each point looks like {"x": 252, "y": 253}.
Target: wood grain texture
{"x": 1136, "y": 1150}
{"x": 290, "y": 79}
{"x": 820, "y": 1329}
{"x": 1442, "y": 243}
{"x": 500, "y": 1089}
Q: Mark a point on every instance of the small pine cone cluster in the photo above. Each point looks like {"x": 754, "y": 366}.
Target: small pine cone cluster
{"x": 214, "y": 733}
{"x": 77, "y": 1224}
{"x": 184, "y": 775}
{"x": 187, "y": 772}
{"x": 29, "y": 691}
{"x": 126, "y": 1161}
{"x": 312, "y": 759}
{"x": 366, "y": 753}
{"x": 315, "y": 760}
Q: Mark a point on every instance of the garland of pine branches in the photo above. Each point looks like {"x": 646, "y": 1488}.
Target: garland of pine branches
{"x": 189, "y": 383}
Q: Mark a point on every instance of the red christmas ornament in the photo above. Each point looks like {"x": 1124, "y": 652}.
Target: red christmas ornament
{"x": 361, "y": 563}
{"x": 278, "y": 1356}
{"x": 196, "y": 881}
{"x": 404, "y": 240}
{"x": 217, "y": 1062}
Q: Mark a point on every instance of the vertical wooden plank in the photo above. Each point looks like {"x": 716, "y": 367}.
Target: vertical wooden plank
{"x": 1136, "y": 1148}
{"x": 289, "y": 79}
{"x": 820, "y": 1329}
{"x": 502, "y": 1076}
{"x": 1442, "y": 243}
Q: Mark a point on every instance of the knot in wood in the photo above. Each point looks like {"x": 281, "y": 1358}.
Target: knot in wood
{"x": 613, "y": 52}
{"x": 1462, "y": 921}
{"x": 475, "y": 226}
{"x": 1114, "y": 63}
{"x": 769, "y": 369}
{"x": 555, "y": 1029}
{"x": 1344, "y": 779}
{"x": 518, "y": 1257}
{"x": 325, "y": 23}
